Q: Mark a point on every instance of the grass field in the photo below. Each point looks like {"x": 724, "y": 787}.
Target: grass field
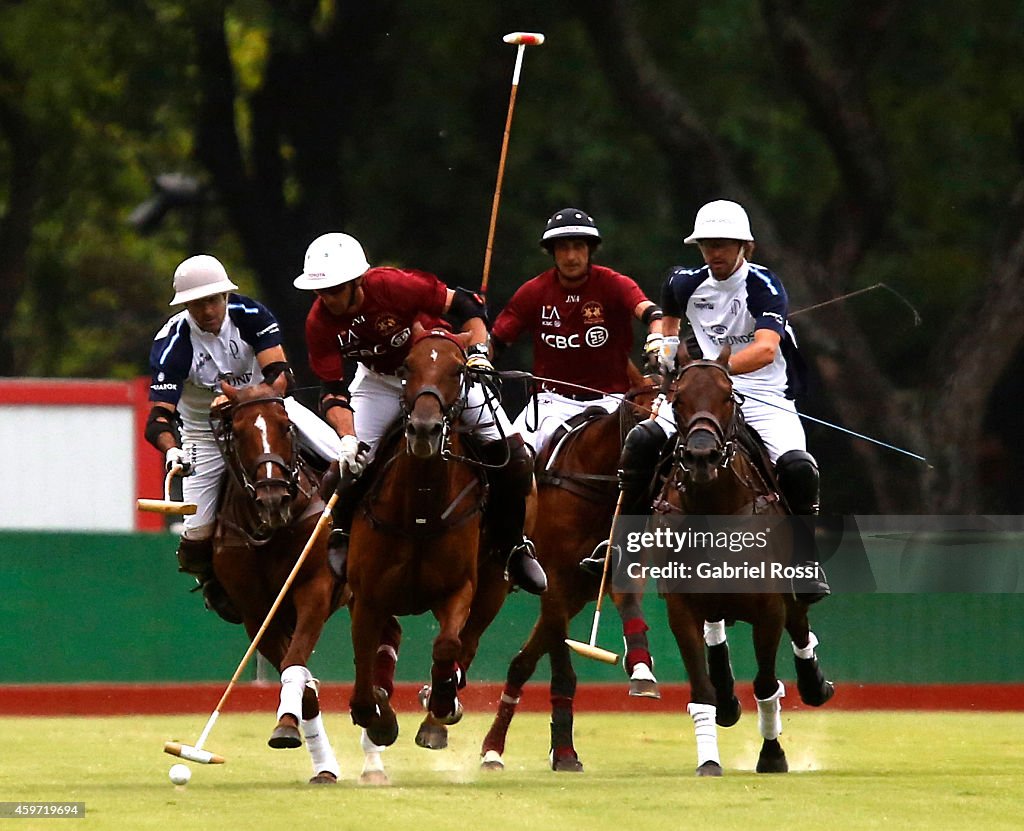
{"x": 848, "y": 771}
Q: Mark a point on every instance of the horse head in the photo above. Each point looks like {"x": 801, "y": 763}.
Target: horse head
{"x": 433, "y": 388}
{"x": 262, "y": 449}
{"x": 704, "y": 409}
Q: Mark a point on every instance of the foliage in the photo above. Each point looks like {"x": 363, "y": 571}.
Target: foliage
{"x": 386, "y": 121}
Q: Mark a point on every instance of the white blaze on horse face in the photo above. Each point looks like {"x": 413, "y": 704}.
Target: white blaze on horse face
{"x": 261, "y": 425}
{"x": 433, "y": 356}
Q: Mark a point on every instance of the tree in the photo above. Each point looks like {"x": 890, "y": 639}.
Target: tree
{"x": 847, "y": 79}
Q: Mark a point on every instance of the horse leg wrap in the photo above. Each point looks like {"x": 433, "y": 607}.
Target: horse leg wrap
{"x": 384, "y": 664}
{"x": 495, "y": 738}
{"x": 810, "y": 681}
{"x": 714, "y": 632}
{"x": 320, "y": 751}
{"x": 634, "y": 637}
{"x": 293, "y": 684}
{"x": 720, "y": 671}
{"x": 561, "y": 726}
{"x": 769, "y": 714}
{"x": 443, "y": 688}
{"x": 705, "y": 731}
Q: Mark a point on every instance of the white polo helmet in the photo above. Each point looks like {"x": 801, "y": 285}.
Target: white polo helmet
{"x": 332, "y": 259}
{"x": 200, "y": 276}
{"x": 721, "y": 219}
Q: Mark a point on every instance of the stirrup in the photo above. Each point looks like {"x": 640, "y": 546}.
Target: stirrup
{"x": 523, "y": 570}
{"x": 337, "y": 554}
{"x": 593, "y": 563}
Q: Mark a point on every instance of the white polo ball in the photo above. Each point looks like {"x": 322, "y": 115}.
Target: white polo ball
{"x": 180, "y": 774}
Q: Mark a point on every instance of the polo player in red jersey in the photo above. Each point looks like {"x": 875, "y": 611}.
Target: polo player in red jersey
{"x": 580, "y": 316}
{"x": 358, "y": 334}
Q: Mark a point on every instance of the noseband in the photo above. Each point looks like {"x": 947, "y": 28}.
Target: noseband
{"x": 451, "y": 410}
{"x": 707, "y": 421}
{"x": 224, "y": 434}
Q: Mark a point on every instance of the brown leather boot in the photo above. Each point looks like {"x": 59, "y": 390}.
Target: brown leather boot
{"x": 195, "y": 557}
{"x": 510, "y": 484}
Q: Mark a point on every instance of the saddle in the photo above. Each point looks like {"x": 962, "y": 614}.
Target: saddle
{"x": 596, "y": 487}
{"x": 461, "y": 510}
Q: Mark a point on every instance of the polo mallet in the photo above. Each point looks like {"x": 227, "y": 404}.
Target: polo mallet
{"x": 522, "y": 40}
{"x": 848, "y": 295}
{"x": 591, "y": 650}
{"x": 195, "y": 753}
{"x": 168, "y": 505}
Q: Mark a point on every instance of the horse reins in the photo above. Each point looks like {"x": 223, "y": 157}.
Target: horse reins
{"x": 290, "y": 479}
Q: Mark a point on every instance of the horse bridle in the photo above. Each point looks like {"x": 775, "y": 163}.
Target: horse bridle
{"x": 451, "y": 411}
{"x": 708, "y": 421}
{"x": 225, "y": 438}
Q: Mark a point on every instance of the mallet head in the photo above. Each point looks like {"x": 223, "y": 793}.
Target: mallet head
{"x": 524, "y": 38}
{"x": 193, "y": 754}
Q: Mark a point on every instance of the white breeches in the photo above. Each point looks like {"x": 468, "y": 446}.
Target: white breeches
{"x": 552, "y": 411}
{"x": 202, "y": 486}
{"x": 376, "y": 402}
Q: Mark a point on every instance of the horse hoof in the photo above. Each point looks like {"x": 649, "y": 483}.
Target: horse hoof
{"x": 710, "y": 768}
{"x": 374, "y": 778}
{"x": 772, "y": 762}
{"x": 566, "y": 762}
{"x": 284, "y": 737}
{"x": 432, "y": 735}
{"x": 726, "y": 715}
{"x": 641, "y": 688}
{"x": 324, "y": 777}
{"x": 492, "y": 761}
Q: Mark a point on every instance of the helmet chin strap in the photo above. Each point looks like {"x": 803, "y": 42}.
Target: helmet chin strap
{"x": 739, "y": 261}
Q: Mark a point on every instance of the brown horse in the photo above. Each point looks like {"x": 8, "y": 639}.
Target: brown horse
{"x": 576, "y": 497}
{"x": 414, "y": 545}
{"x": 713, "y": 474}
{"x": 269, "y": 508}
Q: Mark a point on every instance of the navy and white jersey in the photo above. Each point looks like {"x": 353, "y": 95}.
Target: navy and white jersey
{"x": 729, "y": 311}
{"x": 188, "y": 364}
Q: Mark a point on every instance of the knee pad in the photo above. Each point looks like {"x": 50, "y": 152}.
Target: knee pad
{"x": 517, "y": 472}
{"x": 641, "y": 450}
{"x": 799, "y": 480}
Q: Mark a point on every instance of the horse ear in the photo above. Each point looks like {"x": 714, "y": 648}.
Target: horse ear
{"x": 723, "y": 356}
{"x": 229, "y": 391}
{"x": 417, "y": 329}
